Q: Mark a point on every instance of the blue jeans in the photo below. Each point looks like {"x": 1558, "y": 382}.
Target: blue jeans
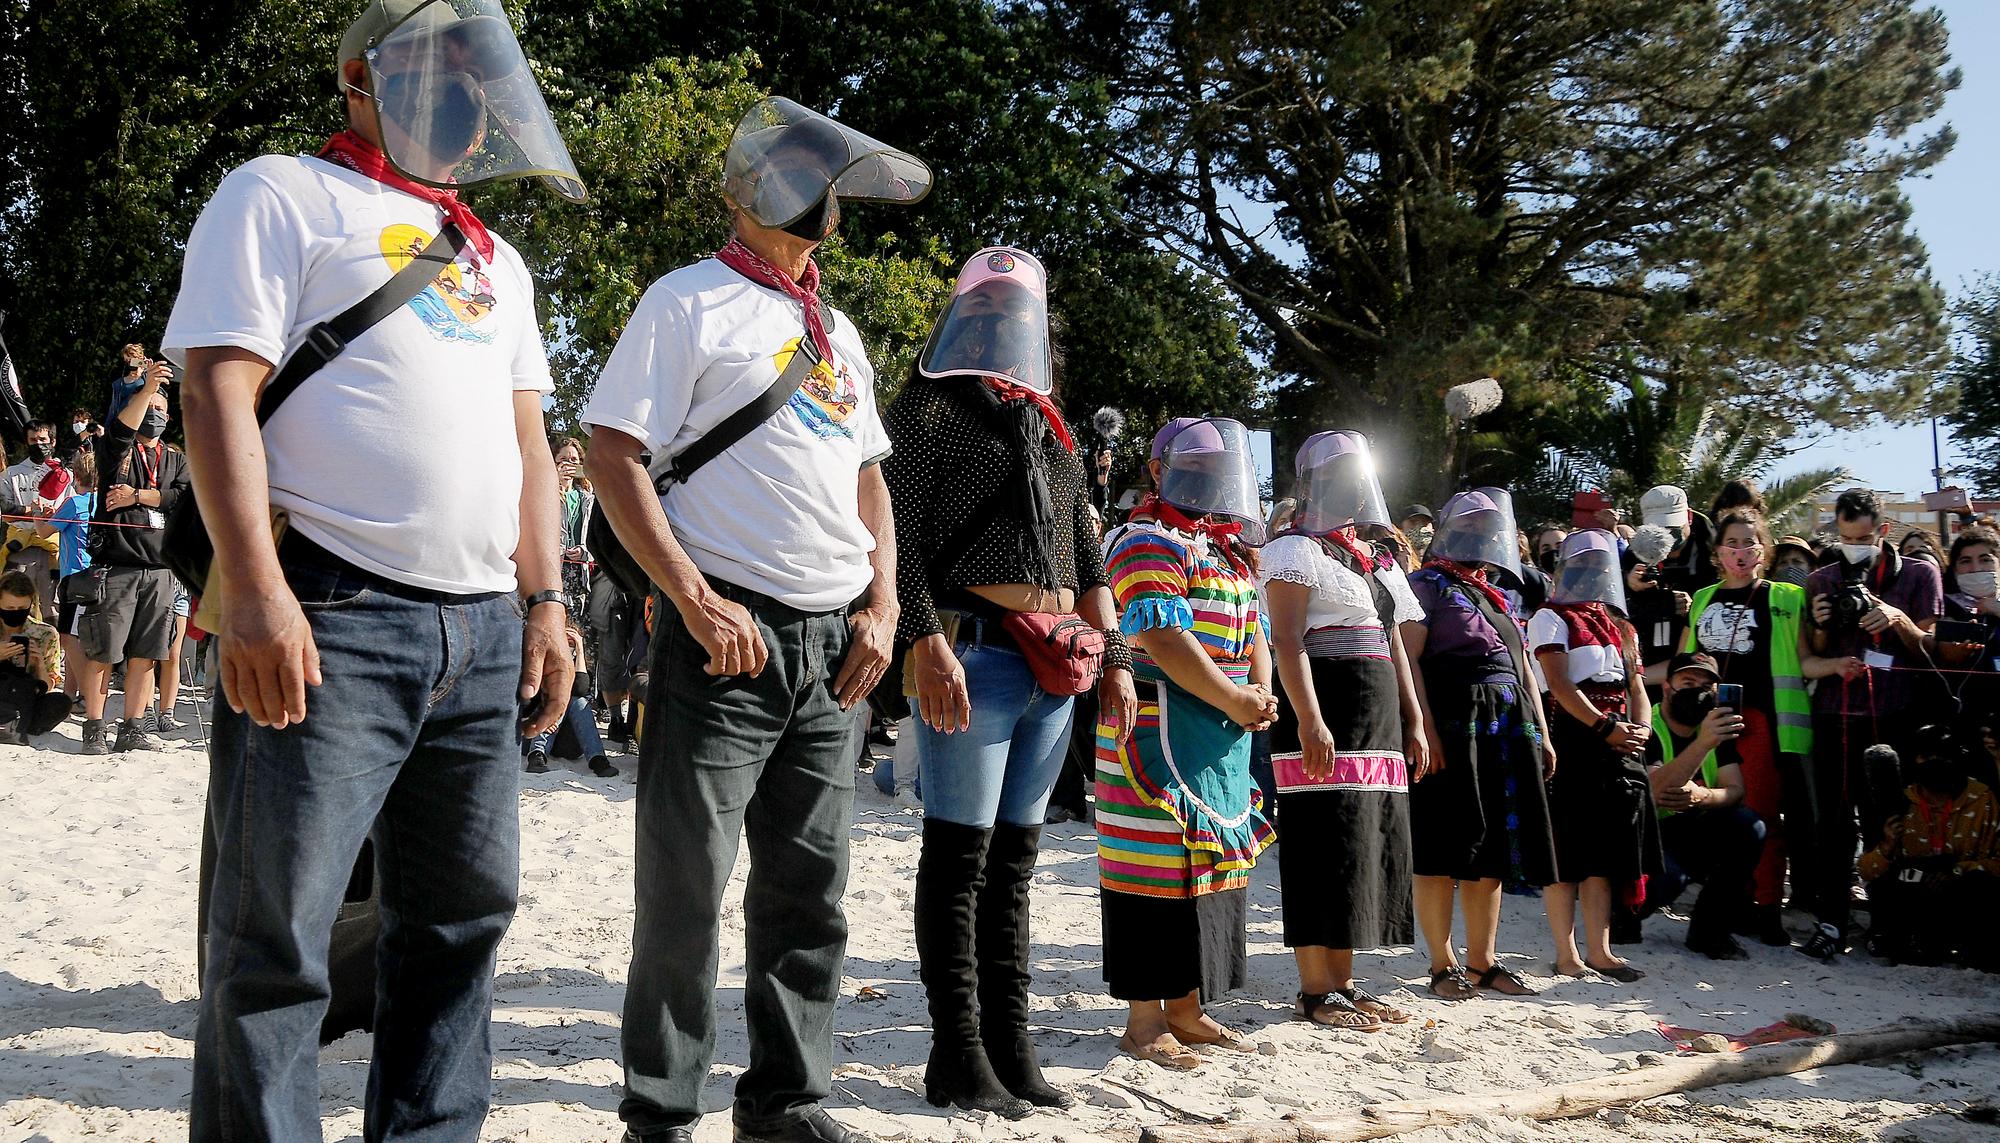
{"x": 1004, "y": 766}
{"x": 412, "y": 740}
{"x": 581, "y": 722}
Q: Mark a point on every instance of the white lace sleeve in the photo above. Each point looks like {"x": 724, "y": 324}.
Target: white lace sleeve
{"x": 1292, "y": 559}
{"x": 1408, "y": 610}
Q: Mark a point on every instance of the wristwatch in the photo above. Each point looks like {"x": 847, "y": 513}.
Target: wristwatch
{"x": 551, "y": 595}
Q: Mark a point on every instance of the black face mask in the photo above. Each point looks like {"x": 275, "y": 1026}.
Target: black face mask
{"x": 154, "y": 424}
{"x": 445, "y": 116}
{"x": 817, "y": 224}
{"x": 1943, "y": 775}
{"x": 1690, "y": 705}
{"x": 1547, "y": 561}
{"x": 40, "y": 453}
{"x": 13, "y": 616}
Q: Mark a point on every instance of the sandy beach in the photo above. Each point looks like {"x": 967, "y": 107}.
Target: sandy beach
{"x": 98, "y": 995}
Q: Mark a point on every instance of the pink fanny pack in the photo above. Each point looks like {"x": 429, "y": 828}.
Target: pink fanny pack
{"x": 1066, "y": 654}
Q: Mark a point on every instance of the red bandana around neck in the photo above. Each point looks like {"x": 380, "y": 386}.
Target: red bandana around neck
{"x": 1345, "y": 539}
{"x": 1474, "y": 576}
{"x": 362, "y": 157}
{"x": 754, "y": 266}
{"x": 1173, "y": 517}
{"x": 1014, "y": 391}
{"x": 1589, "y": 624}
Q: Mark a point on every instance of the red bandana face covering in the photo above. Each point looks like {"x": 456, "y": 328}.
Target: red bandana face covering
{"x": 362, "y": 157}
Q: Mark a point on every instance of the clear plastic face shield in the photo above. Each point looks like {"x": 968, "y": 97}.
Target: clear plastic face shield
{"x": 784, "y": 159}
{"x": 1210, "y": 471}
{"x": 1337, "y": 484}
{"x": 997, "y": 324}
{"x": 1473, "y": 528}
{"x": 458, "y": 104}
{"x": 1590, "y": 571}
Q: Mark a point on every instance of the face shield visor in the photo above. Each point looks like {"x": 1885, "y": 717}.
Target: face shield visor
{"x": 1474, "y": 529}
{"x": 784, "y": 158}
{"x": 1590, "y": 571}
{"x": 459, "y": 106}
{"x": 1337, "y": 484}
{"x": 1210, "y": 471}
{"x": 997, "y": 324}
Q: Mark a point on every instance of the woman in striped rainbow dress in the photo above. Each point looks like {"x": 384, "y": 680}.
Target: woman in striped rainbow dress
{"x": 1179, "y": 819}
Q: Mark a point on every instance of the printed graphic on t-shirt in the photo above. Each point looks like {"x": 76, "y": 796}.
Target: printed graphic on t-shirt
{"x": 826, "y": 399}
{"x": 458, "y": 300}
{"x": 1728, "y": 628}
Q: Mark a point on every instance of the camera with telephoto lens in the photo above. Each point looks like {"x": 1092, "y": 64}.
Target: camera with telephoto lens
{"x": 1649, "y": 575}
{"x": 1851, "y": 600}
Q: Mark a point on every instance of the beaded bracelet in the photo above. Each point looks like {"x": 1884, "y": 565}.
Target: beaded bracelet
{"x": 1117, "y": 652}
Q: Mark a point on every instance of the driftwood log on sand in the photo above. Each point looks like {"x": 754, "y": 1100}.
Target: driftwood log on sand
{"x": 1587, "y": 1097}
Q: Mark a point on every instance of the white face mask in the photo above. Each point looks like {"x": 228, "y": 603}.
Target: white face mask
{"x": 1979, "y": 585}
{"x": 1858, "y": 553}
{"x": 77, "y": 427}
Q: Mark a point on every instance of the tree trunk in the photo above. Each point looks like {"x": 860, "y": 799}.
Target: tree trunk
{"x": 1587, "y": 1097}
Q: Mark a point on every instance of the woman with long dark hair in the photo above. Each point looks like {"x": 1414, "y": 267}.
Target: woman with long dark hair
{"x": 997, "y": 551}
{"x": 1349, "y": 735}
{"x": 1481, "y": 818}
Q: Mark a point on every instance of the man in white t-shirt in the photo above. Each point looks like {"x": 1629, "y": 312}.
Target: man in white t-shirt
{"x": 776, "y": 563}
{"x": 415, "y": 591}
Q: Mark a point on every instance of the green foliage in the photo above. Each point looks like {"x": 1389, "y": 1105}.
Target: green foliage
{"x": 1408, "y": 196}
{"x": 125, "y": 114}
{"x": 1975, "y": 378}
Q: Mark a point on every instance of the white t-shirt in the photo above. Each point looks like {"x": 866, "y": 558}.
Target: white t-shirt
{"x": 1587, "y": 664}
{"x": 778, "y": 512}
{"x": 400, "y": 454}
{"x": 1340, "y": 598}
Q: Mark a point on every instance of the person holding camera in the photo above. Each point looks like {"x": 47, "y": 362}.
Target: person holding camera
{"x": 1934, "y": 878}
{"x": 1707, "y": 835}
{"x": 1753, "y": 627}
{"x": 31, "y": 697}
{"x": 128, "y": 602}
{"x": 1658, "y": 613}
{"x": 1870, "y": 612}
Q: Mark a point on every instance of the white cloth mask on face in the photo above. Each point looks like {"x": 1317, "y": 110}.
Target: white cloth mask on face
{"x": 1858, "y": 553}
{"x": 1979, "y": 585}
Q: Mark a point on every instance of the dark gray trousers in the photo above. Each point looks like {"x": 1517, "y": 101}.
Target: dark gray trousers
{"x": 772, "y": 757}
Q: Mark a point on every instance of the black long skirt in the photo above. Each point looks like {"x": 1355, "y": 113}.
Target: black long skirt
{"x": 1344, "y": 842}
{"x": 1162, "y": 948}
{"x": 1485, "y": 815}
{"x": 1601, "y": 807}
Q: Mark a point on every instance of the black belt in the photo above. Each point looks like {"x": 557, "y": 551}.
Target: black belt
{"x": 298, "y": 551}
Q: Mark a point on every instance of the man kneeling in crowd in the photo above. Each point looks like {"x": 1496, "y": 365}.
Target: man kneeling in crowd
{"x": 1934, "y": 878}
{"x": 1708, "y": 836}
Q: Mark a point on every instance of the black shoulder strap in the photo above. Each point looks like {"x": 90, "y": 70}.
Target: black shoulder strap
{"x": 738, "y": 424}
{"x": 328, "y": 338}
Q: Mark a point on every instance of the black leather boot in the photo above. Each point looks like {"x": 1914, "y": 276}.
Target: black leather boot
{"x": 1003, "y": 965}
{"x": 948, "y": 879}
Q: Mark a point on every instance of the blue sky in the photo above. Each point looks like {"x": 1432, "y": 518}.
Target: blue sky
{"x": 1954, "y": 216}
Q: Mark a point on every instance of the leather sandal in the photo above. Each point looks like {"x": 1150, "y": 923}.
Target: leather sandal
{"x": 1622, "y": 973}
{"x": 1229, "y": 1039}
{"x": 1503, "y": 981}
{"x": 1377, "y": 1007}
{"x": 1334, "y": 1010}
{"x": 1166, "y": 1051}
{"x": 1451, "y": 983}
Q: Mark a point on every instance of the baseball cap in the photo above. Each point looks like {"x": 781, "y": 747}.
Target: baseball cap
{"x": 376, "y": 19}
{"x": 1664, "y": 505}
{"x": 1417, "y": 510}
{"x": 1169, "y": 431}
{"x": 1694, "y": 661}
{"x": 1588, "y": 504}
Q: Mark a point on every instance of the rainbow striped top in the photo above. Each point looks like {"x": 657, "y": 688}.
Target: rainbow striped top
{"x": 1166, "y": 578}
